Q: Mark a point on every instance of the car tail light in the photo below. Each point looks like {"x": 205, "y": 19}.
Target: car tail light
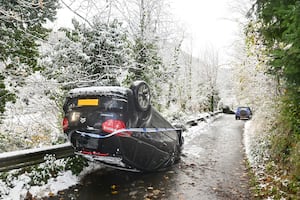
{"x": 113, "y": 125}
{"x": 86, "y": 152}
{"x": 65, "y": 124}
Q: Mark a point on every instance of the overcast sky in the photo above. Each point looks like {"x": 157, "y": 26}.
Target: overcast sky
{"x": 207, "y": 24}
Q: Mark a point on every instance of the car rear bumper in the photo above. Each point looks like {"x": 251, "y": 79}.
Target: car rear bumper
{"x": 243, "y": 117}
{"x": 135, "y": 152}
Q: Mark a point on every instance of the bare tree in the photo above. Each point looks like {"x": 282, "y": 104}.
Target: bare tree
{"x": 146, "y": 19}
{"x": 88, "y": 10}
{"x": 210, "y": 60}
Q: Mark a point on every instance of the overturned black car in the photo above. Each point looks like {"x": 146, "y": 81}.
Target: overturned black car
{"x": 118, "y": 127}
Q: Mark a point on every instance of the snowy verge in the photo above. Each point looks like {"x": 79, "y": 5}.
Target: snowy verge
{"x": 257, "y": 144}
{"x": 20, "y": 186}
{"x": 62, "y": 182}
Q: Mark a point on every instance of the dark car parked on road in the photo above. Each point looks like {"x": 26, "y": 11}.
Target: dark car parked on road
{"x": 119, "y": 127}
{"x": 243, "y": 113}
{"x": 227, "y": 110}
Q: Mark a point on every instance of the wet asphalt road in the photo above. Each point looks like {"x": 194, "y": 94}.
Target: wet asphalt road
{"x": 212, "y": 167}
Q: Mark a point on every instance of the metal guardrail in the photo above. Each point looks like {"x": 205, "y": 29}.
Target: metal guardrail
{"x": 195, "y": 121}
{"x": 24, "y": 158}
{"x": 28, "y": 157}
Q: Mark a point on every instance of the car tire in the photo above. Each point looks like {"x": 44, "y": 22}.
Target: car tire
{"x": 142, "y": 96}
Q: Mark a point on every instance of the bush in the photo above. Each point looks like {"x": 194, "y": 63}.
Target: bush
{"x": 76, "y": 164}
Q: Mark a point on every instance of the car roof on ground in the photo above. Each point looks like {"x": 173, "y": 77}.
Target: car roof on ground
{"x": 98, "y": 90}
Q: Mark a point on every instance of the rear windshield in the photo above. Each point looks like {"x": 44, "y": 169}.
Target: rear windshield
{"x": 103, "y": 103}
{"x": 244, "y": 108}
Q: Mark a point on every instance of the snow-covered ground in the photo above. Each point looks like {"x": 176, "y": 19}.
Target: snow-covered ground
{"x": 20, "y": 186}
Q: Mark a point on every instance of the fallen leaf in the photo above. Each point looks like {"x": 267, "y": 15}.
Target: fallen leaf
{"x": 156, "y": 192}
{"x": 114, "y": 192}
{"x": 51, "y": 194}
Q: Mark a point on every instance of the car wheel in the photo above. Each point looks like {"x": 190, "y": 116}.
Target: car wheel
{"x": 142, "y": 95}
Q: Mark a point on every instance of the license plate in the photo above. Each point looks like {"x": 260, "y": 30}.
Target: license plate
{"x": 88, "y": 102}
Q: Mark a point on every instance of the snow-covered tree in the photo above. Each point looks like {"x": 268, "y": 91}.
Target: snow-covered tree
{"x": 255, "y": 87}
{"x": 21, "y": 29}
{"x": 5, "y": 95}
{"x": 97, "y": 55}
{"x": 210, "y": 66}
{"x": 145, "y": 20}
{"x": 21, "y": 26}
{"x": 148, "y": 26}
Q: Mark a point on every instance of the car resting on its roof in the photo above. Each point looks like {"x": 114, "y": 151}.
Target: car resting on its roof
{"x": 118, "y": 127}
